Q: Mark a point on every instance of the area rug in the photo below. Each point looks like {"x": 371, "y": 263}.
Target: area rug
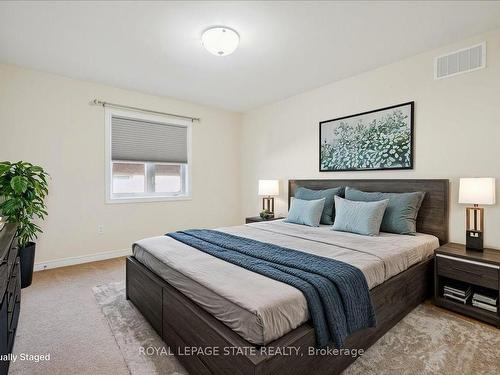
{"x": 429, "y": 340}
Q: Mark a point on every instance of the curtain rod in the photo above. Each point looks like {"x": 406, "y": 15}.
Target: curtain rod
{"x": 107, "y": 104}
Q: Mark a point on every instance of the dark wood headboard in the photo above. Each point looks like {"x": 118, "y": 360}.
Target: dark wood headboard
{"x": 433, "y": 215}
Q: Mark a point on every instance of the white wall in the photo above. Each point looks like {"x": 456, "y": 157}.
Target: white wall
{"x": 457, "y": 129}
{"x": 46, "y": 119}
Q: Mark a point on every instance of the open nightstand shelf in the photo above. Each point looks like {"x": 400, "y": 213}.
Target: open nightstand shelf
{"x": 479, "y": 270}
{"x": 467, "y": 309}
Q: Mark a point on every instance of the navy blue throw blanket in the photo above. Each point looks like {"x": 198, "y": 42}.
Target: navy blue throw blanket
{"x": 337, "y": 294}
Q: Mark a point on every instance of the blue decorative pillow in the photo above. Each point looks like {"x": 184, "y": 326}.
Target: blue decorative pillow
{"x": 401, "y": 214}
{"x": 359, "y": 217}
{"x": 305, "y": 212}
{"x": 328, "y": 214}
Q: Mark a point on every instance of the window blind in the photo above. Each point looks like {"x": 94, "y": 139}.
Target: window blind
{"x": 139, "y": 140}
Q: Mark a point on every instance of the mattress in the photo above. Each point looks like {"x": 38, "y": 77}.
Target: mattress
{"x": 261, "y": 309}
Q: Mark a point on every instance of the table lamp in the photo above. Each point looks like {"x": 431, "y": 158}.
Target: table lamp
{"x": 268, "y": 188}
{"x": 476, "y": 191}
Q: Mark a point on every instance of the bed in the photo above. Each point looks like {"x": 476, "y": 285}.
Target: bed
{"x": 252, "y": 319}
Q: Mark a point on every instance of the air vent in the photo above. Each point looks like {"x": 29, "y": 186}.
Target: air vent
{"x": 461, "y": 61}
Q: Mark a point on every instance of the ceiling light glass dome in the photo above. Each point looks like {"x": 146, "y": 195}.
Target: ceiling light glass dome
{"x": 220, "y": 40}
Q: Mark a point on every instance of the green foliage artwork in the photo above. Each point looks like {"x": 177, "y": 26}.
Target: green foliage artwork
{"x": 379, "y": 139}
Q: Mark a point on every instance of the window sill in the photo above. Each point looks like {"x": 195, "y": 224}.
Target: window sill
{"x": 122, "y": 200}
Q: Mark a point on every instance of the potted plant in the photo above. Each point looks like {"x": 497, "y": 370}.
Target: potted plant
{"x": 23, "y": 187}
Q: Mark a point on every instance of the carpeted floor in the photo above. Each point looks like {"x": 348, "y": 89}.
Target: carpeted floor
{"x": 60, "y": 315}
{"x": 427, "y": 341}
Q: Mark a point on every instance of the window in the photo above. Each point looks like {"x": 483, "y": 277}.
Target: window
{"x": 147, "y": 157}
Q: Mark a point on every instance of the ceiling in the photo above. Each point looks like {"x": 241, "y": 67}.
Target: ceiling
{"x": 286, "y": 47}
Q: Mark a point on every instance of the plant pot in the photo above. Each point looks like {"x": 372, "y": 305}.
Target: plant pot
{"x": 27, "y": 261}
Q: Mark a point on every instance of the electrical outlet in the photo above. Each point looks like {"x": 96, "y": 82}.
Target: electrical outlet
{"x": 100, "y": 229}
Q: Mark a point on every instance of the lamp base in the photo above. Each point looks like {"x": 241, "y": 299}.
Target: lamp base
{"x": 268, "y": 205}
{"x": 474, "y": 240}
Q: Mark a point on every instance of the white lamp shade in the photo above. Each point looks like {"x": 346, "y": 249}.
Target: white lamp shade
{"x": 477, "y": 191}
{"x": 269, "y": 187}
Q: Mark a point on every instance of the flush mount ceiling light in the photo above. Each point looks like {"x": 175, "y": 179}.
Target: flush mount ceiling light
{"x": 220, "y": 40}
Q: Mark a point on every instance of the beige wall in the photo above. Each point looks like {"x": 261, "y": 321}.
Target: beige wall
{"x": 457, "y": 128}
{"x": 46, "y": 119}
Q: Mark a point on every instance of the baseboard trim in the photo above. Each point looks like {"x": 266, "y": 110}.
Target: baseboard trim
{"x": 81, "y": 259}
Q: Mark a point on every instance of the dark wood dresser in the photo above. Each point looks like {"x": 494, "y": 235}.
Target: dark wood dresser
{"x": 10, "y": 292}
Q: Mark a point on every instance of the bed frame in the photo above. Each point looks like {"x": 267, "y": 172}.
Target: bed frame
{"x": 216, "y": 349}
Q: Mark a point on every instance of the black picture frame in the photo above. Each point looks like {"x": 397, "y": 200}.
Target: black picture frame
{"x": 411, "y": 120}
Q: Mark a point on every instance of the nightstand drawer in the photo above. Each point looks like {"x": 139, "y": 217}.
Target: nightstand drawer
{"x": 476, "y": 273}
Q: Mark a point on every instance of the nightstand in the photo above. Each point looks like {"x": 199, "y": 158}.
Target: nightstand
{"x": 455, "y": 265}
{"x": 258, "y": 219}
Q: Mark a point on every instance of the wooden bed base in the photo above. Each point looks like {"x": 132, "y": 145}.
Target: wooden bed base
{"x": 185, "y": 327}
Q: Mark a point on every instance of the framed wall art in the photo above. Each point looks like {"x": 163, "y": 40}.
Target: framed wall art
{"x": 376, "y": 140}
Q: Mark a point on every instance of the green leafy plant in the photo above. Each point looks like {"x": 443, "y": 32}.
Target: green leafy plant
{"x": 266, "y": 214}
{"x": 23, "y": 187}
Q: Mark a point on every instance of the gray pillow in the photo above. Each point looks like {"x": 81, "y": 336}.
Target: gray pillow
{"x": 359, "y": 217}
{"x": 328, "y": 214}
{"x": 401, "y": 214}
{"x": 305, "y": 212}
